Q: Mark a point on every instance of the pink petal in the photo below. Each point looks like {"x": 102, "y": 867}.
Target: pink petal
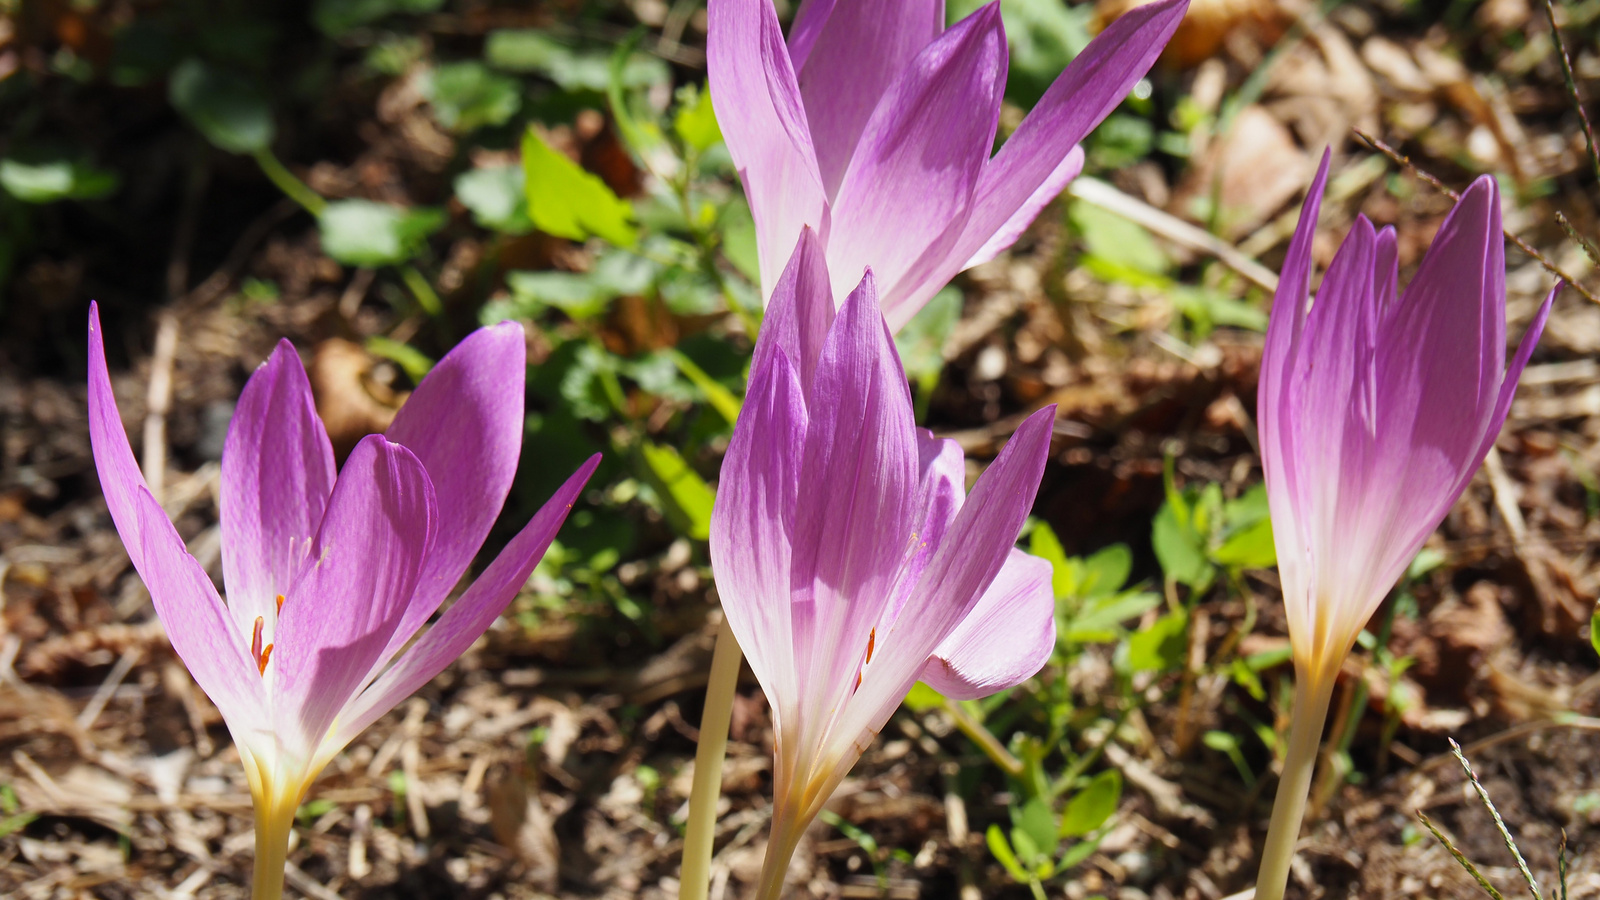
{"x": 764, "y": 124}
{"x": 348, "y": 600}
{"x": 1005, "y": 640}
{"x": 807, "y": 26}
{"x": 850, "y": 62}
{"x": 800, "y": 312}
{"x": 277, "y": 473}
{"x": 1070, "y": 168}
{"x": 195, "y": 619}
{"x": 1085, "y": 93}
{"x": 464, "y": 423}
{"x": 856, "y": 503}
{"x": 912, "y": 177}
{"x": 469, "y": 617}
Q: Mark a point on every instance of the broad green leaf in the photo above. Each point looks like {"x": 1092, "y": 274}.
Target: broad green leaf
{"x": 496, "y": 198}
{"x": 922, "y": 698}
{"x": 1037, "y": 822}
{"x": 466, "y": 96}
{"x": 1077, "y": 853}
{"x": 1117, "y": 241}
{"x": 1250, "y": 548}
{"x": 1092, "y": 806}
{"x": 739, "y": 239}
{"x": 568, "y": 202}
{"x": 229, "y": 109}
{"x": 1179, "y": 549}
{"x": 996, "y": 839}
{"x": 367, "y": 234}
{"x": 1100, "y": 619}
{"x": 47, "y": 181}
{"x": 687, "y": 497}
{"x": 1044, "y": 544}
{"x": 1161, "y": 646}
{"x": 1106, "y": 571}
{"x": 921, "y": 342}
{"x": 696, "y": 122}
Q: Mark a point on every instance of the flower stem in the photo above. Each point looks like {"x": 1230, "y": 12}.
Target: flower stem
{"x": 274, "y": 823}
{"x": 286, "y": 181}
{"x": 694, "y": 879}
{"x": 1312, "y": 692}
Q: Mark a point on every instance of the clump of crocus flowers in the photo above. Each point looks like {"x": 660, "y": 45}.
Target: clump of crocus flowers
{"x": 1376, "y": 407}
{"x": 850, "y": 559}
{"x": 874, "y": 125}
{"x": 330, "y": 574}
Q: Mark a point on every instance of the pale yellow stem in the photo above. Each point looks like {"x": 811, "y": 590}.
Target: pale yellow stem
{"x": 1312, "y": 692}
{"x": 694, "y": 879}
{"x": 274, "y": 824}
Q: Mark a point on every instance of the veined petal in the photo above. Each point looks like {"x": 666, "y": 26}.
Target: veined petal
{"x": 348, "y": 600}
{"x": 1086, "y": 92}
{"x": 464, "y": 424}
{"x": 751, "y": 527}
{"x": 849, "y": 64}
{"x": 466, "y": 619}
{"x": 799, "y": 314}
{"x": 196, "y": 622}
{"x": 942, "y": 489}
{"x": 807, "y": 26}
{"x": 855, "y": 512}
{"x": 1013, "y": 228}
{"x": 911, "y": 179}
{"x": 763, "y": 121}
{"x": 1005, "y": 640}
{"x": 277, "y": 473}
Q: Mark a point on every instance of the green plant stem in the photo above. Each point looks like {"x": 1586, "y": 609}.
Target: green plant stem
{"x": 1312, "y": 693}
{"x": 694, "y": 879}
{"x": 988, "y": 743}
{"x": 274, "y": 822}
{"x": 427, "y": 298}
{"x": 297, "y": 190}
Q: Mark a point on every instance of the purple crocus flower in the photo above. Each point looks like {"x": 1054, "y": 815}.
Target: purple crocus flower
{"x": 849, "y": 559}
{"x": 874, "y": 126}
{"x": 329, "y": 578}
{"x": 1375, "y": 409}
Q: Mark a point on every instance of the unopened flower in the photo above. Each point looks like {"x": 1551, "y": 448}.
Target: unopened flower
{"x": 874, "y": 127}
{"x": 849, "y": 559}
{"x": 330, "y": 577}
{"x": 1376, "y": 407}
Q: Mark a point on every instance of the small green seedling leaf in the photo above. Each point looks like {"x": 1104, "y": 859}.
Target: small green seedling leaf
{"x": 1249, "y": 548}
{"x": 1180, "y": 548}
{"x": 1044, "y": 544}
{"x": 1037, "y": 824}
{"x": 998, "y": 846}
{"x": 1091, "y": 807}
{"x": 47, "y": 181}
{"x": 1159, "y": 647}
{"x": 566, "y": 201}
{"x": 367, "y": 234}
{"x": 229, "y": 109}
{"x": 685, "y": 493}
{"x": 1106, "y": 571}
{"x": 922, "y": 698}
{"x": 696, "y": 122}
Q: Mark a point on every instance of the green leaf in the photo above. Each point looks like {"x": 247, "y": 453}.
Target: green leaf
{"x": 686, "y": 495}
{"x": 1036, "y": 821}
{"x": 337, "y": 17}
{"x": 1105, "y": 572}
{"x": 1594, "y": 629}
{"x": 996, "y": 840}
{"x": 414, "y": 362}
{"x": 13, "y": 824}
{"x": 229, "y": 109}
{"x": 575, "y": 294}
{"x": 922, "y": 698}
{"x": 467, "y": 96}
{"x": 1123, "y": 245}
{"x": 1221, "y": 741}
{"x": 1426, "y": 560}
{"x": 529, "y": 50}
{"x": 1160, "y": 647}
{"x": 921, "y": 342}
{"x": 696, "y": 121}
{"x": 1092, "y": 806}
{"x": 1078, "y": 852}
{"x": 1044, "y": 544}
{"x": 568, "y": 202}
{"x": 367, "y": 234}
{"x": 1179, "y": 549}
{"x": 721, "y": 399}
{"x": 1100, "y": 619}
{"x": 739, "y": 239}
{"x": 496, "y": 198}
{"x": 1250, "y": 548}
{"x": 46, "y": 181}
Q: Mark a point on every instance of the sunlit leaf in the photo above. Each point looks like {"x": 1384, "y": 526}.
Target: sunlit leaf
{"x": 367, "y": 234}
{"x": 922, "y": 698}
{"x": 568, "y": 202}
{"x": 686, "y": 494}
{"x": 695, "y": 121}
{"x": 996, "y": 839}
{"x": 466, "y": 96}
{"x": 46, "y": 181}
{"x": 1091, "y": 807}
{"x": 229, "y": 109}
{"x": 1161, "y": 646}
{"x": 496, "y": 197}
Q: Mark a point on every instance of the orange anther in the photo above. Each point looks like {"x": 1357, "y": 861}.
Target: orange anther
{"x": 872, "y": 638}
{"x": 280, "y": 604}
{"x": 261, "y": 663}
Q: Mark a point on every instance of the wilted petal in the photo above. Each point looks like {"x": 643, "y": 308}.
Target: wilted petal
{"x": 800, "y": 312}
{"x": 469, "y": 617}
{"x": 196, "y": 622}
{"x": 348, "y": 600}
{"x": 855, "y": 508}
{"x": 277, "y": 473}
{"x": 849, "y": 64}
{"x": 764, "y": 124}
{"x": 464, "y": 424}
{"x": 912, "y": 177}
{"x": 1085, "y": 93}
{"x": 751, "y": 527}
{"x": 1005, "y": 640}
